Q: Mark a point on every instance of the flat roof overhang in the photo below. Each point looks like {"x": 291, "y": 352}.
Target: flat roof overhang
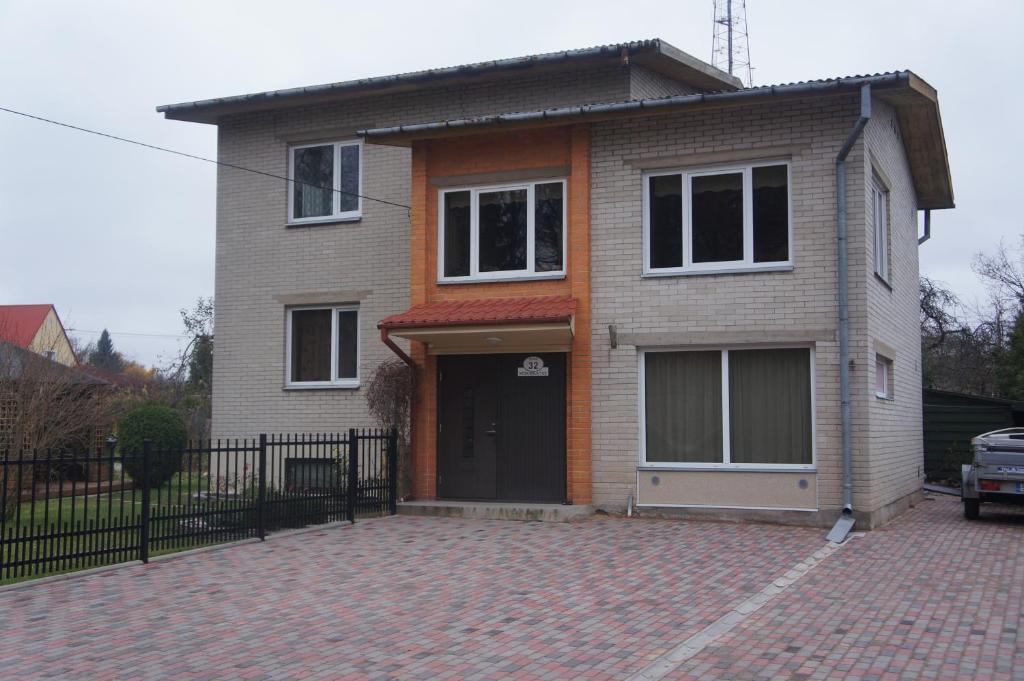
{"x": 485, "y": 326}
{"x": 915, "y": 101}
{"x": 487, "y": 339}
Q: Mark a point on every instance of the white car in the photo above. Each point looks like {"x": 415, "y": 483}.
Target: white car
{"x": 997, "y": 473}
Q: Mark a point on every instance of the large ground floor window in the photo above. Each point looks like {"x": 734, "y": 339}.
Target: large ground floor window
{"x": 738, "y": 408}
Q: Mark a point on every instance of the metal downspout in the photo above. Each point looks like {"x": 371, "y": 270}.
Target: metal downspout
{"x": 386, "y": 339}
{"x": 845, "y": 522}
{"x": 927, "y": 227}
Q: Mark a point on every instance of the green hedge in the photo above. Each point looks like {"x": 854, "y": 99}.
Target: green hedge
{"x": 165, "y": 429}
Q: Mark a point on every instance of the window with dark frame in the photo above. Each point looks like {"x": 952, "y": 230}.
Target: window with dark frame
{"x": 502, "y": 232}
{"x": 761, "y": 398}
{"x": 708, "y": 220}
{"x": 326, "y": 182}
{"x": 323, "y": 346}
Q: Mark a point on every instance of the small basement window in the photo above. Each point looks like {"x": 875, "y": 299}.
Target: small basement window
{"x": 883, "y": 377}
{"x": 323, "y": 347}
{"x": 327, "y": 182}
{"x": 721, "y": 219}
{"x": 507, "y": 232}
{"x": 311, "y": 475}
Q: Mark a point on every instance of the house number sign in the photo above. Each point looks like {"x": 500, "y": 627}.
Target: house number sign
{"x": 533, "y": 366}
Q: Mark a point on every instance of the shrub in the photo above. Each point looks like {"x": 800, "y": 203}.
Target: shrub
{"x": 389, "y": 396}
{"x": 165, "y": 429}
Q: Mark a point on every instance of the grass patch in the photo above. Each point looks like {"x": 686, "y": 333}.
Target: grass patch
{"x": 65, "y": 534}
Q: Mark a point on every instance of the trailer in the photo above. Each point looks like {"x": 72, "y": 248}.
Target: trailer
{"x": 996, "y": 473}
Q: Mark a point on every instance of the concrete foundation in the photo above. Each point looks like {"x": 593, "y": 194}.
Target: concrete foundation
{"x": 492, "y": 510}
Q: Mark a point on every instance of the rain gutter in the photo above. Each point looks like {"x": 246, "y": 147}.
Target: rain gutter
{"x": 677, "y": 101}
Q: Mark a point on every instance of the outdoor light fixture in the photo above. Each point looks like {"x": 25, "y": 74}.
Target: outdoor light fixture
{"x": 493, "y": 340}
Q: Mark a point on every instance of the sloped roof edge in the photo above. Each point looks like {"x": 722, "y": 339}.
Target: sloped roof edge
{"x": 653, "y": 51}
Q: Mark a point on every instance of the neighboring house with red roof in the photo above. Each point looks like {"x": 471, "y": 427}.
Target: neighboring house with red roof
{"x": 37, "y": 328}
{"x": 622, "y": 278}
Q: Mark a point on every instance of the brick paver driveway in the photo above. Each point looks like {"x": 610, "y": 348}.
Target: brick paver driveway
{"x": 931, "y": 596}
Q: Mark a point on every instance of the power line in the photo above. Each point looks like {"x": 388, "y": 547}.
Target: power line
{"x": 201, "y": 158}
{"x": 131, "y": 333}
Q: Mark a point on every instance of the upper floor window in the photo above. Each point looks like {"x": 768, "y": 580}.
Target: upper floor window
{"x": 880, "y": 216}
{"x": 721, "y": 219}
{"x": 506, "y": 232}
{"x": 327, "y": 182}
{"x": 323, "y": 347}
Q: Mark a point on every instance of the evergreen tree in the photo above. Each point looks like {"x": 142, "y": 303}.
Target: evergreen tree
{"x": 1011, "y": 363}
{"x": 200, "y": 364}
{"x": 105, "y": 357}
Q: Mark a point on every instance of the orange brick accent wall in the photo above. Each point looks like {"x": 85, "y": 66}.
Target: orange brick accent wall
{"x": 545, "y": 147}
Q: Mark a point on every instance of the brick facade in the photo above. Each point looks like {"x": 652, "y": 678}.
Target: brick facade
{"x": 544, "y": 148}
{"x": 895, "y": 438}
{"x": 261, "y": 262}
{"x": 387, "y": 260}
{"x": 797, "y": 306}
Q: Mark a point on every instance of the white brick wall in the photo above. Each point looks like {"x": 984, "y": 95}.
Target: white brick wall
{"x": 894, "y": 430}
{"x": 647, "y": 84}
{"x": 749, "y": 304}
{"x": 258, "y": 258}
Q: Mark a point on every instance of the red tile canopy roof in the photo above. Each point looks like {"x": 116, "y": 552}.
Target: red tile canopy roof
{"x": 20, "y": 323}
{"x": 535, "y": 310}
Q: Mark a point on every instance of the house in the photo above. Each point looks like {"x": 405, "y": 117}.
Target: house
{"x": 616, "y": 271}
{"x": 37, "y": 328}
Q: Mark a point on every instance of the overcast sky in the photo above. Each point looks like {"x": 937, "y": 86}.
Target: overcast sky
{"x": 122, "y": 237}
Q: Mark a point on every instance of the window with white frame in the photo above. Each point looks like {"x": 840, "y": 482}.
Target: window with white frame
{"x": 739, "y": 408}
{"x": 506, "y": 232}
{"x": 880, "y": 214}
{"x": 323, "y": 347}
{"x": 883, "y": 377}
{"x": 327, "y": 182}
{"x": 726, "y": 218}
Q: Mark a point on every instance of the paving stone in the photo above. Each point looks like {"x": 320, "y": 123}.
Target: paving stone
{"x": 429, "y": 598}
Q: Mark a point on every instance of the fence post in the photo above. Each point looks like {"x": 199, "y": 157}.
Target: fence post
{"x": 352, "y": 487}
{"x": 393, "y": 472}
{"x": 147, "y": 450}
{"x": 261, "y": 500}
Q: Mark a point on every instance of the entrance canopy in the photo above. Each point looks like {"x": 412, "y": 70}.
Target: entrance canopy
{"x": 489, "y": 325}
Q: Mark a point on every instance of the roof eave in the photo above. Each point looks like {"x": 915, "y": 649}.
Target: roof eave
{"x": 914, "y": 99}
{"x": 654, "y": 53}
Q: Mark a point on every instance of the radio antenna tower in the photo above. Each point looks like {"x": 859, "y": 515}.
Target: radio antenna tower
{"x": 730, "y": 48}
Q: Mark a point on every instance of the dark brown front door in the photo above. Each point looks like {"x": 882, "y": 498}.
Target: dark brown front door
{"x": 501, "y": 427}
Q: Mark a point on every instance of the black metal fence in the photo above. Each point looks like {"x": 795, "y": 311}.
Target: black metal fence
{"x": 64, "y": 512}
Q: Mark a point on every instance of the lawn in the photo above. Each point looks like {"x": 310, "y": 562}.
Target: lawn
{"x": 74, "y": 533}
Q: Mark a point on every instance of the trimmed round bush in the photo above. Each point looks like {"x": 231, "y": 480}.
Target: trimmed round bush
{"x": 165, "y": 429}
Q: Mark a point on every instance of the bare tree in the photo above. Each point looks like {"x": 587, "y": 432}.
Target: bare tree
{"x": 389, "y": 397}
{"x": 1003, "y": 274}
{"x": 45, "y": 405}
{"x": 187, "y": 382}
{"x": 967, "y": 349}
{"x": 938, "y": 313}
